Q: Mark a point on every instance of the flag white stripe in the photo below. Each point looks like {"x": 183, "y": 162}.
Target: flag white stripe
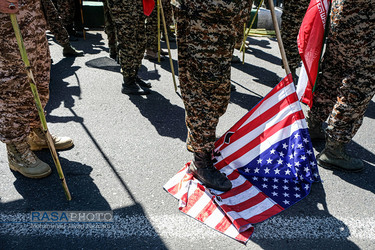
{"x": 199, "y": 205}
{"x": 270, "y": 102}
{"x": 238, "y": 144}
{"x": 241, "y": 197}
{"x": 214, "y": 218}
{"x": 259, "y": 149}
{"x": 252, "y": 211}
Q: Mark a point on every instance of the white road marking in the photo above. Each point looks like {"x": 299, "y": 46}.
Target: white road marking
{"x": 182, "y": 226}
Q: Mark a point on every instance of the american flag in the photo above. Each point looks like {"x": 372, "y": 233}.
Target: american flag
{"x": 269, "y": 159}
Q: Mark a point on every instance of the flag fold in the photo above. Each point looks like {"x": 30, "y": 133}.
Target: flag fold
{"x": 269, "y": 159}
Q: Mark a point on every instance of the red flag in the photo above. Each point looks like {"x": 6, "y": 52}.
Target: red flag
{"x": 148, "y": 6}
{"x": 310, "y": 43}
{"x": 269, "y": 159}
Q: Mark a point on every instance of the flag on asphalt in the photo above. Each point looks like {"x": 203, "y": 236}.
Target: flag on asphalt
{"x": 269, "y": 159}
{"x": 310, "y": 43}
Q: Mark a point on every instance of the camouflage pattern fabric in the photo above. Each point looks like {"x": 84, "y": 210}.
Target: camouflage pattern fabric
{"x": 152, "y": 25}
{"x": 152, "y": 30}
{"x": 17, "y": 108}
{"x": 293, "y": 13}
{"x": 347, "y": 84}
{"x": 243, "y": 17}
{"x": 66, "y": 10}
{"x": 54, "y": 22}
{"x": 206, "y": 34}
{"x": 129, "y": 22}
{"x": 109, "y": 27}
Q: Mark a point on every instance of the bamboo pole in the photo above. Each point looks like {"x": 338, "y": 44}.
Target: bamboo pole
{"x": 39, "y": 105}
{"x": 279, "y": 40}
{"x": 251, "y": 25}
{"x": 169, "y": 48}
{"x": 159, "y": 37}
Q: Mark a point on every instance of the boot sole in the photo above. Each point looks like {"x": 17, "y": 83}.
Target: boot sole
{"x": 334, "y": 167}
{"x": 38, "y": 147}
{"x": 28, "y": 175}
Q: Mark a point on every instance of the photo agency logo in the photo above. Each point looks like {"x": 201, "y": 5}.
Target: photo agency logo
{"x": 71, "y": 216}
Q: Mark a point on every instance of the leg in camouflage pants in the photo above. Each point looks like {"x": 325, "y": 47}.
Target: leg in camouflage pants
{"x": 293, "y": 13}
{"x": 129, "y": 22}
{"x": 18, "y": 112}
{"x": 205, "y": 47}
{"x": 347, "y": 84}
{"x": 109, "y": 30}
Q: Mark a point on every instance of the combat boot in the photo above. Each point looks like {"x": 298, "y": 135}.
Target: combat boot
{"x": 38, "y": 141}
{"x": 23, "y": 160}
{"x": 315, "y": 129}
{"x": 69, "y": 51}
{"x": 142, "y": 83}
{"x": 334, "y": 156}
{"x": 131, "y": 87}
{"x": 203, "y": 169}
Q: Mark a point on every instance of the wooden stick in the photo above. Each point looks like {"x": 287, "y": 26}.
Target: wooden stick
{"x": 278, "y": 35}
{"x": 83, "y": 28}
{"x": 159, "y": 46}
{"x": 169, "y": 48}
{"x": 39, "y": 107}
{"x": 251, "y": 25}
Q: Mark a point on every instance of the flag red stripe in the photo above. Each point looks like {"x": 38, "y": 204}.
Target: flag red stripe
{"x": 236, "y": 190}
{"x": 244, "y": 236}
{"x": 245, "y": 204}
{"x": 193, "y": 198}
{"x": 286, "y": 81}
{"x": 224, "y": 224}
{"x": 265, "y": 116}
{"x": 266, "y": 214}
{"x": 258, "y": 140}
{"x": 206, "y": 211}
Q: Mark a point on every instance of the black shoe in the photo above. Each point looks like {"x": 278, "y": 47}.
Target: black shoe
{"x": 142, "y": 83}
{"x": 232, "y": 87}
{"x": 69, "y": 51}
{"x": 203, "y": 169}
{"x": 130, "y": 87}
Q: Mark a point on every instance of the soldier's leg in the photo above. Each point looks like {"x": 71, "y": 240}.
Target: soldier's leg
{"x": 205, "y": 89}
{"x": 293, "y": 13}
{"x": 129, "y": 26}
{"x": 110, "y": 31}
{"x": 66, "y": 10}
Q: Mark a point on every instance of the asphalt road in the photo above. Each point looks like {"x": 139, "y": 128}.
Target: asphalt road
{"x": 127, "y": 148}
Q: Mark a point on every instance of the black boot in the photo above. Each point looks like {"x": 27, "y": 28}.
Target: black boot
{"x": 203, "y": 169}
{"x": 142, "y": 83}
{"x": 130, "y": 87}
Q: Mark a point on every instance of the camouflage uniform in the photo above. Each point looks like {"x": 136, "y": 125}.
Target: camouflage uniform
{"x": 129, "y": 22}
{"x": 67, "y": 10}
{"x": 244, "y": 17}
{"x": 347, "y": 84}
{"x": 206, "y": 33}
{"x": 54, "y": 22}
{"x": 293, "y": 13}
{"x": 17, "y": 108}
{"x": 152, "y": 30}
{"x": 109, "y": 28}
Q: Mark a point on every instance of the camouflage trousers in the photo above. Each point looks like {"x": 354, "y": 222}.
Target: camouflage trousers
{"x": 17, "y": 108}
{"x": 293, "y": 13}
{"x": 152, "y": 25}
{"x": 243, "y": 18}
{"x": 347, "y": 84}
{"x": 205, "y": 49}
{"x": 54, "y": 22}
{"x": 67, "y": 9}
{"x": 109, "y": 27}
{"x": 129, "y": 22}
{"x": 152, "y": 30}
